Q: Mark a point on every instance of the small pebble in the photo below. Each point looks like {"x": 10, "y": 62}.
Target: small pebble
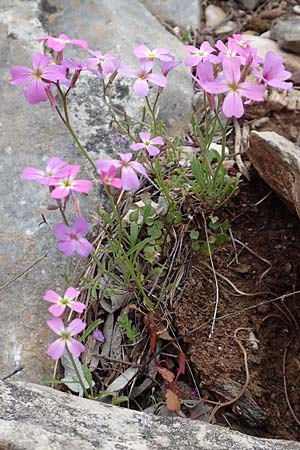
{"x": 296, "y": 9}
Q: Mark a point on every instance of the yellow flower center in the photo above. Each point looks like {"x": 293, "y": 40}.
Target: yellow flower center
{"x": 233, "y": 87}
{"x": 37, "y": 74}
{"x": 65, "y": 335}
{"x": 65, "y": 301}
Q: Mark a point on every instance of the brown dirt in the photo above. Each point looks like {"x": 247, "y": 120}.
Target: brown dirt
{"x": 273, "y": 233}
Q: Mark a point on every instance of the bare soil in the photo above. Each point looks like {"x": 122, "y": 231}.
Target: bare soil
{"x": 269, "y": 267}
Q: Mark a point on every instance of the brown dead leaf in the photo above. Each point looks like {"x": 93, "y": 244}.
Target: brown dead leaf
{"x": 172, "y": 401}
{"x": 166, "y": 374}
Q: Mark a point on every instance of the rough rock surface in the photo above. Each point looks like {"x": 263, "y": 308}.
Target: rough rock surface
{"x": 117, "y": 27}
{"x": 250, "y": 4}
{"x": 214, "y": 16}
{"x": 277, "y": 161}
{"x": 291, "y": 61}
{"x": 287, "y": 34}
{"x": 31, "y": 135}
{"x": 38, "y": 418}
{"x": 184, "y": 13}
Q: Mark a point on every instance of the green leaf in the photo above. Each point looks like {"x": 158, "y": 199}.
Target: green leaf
{"x": 119, "y": 400}
{"x": 134, "y": 215}
{"x": 89, "y": 330}
{"x": 194, "y": 234}
{"x": 129, "y": 328}
{"x": 87, "y": 375}
{"x": 196, "y": 246}
{"x": 134, "y": 232}
{"x": 55, "y": 381}
{"x": 154, "y": 232}
{"x": 221, "y": 238}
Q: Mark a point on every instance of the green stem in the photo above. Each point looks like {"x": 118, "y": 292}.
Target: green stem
{"x": 62, "y": 212}
{"x": 66, "y": 121}
{"x": 220, "y": 163}
{"x": 152, "y": 112}
{"x": 78, "y": 374}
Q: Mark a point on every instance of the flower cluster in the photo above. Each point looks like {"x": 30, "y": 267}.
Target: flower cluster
{"x": 237, "y": 71}
{"x": 59, "y": 176}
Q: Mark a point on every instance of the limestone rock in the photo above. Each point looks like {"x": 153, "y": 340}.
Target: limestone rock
{"x": 38, "y": 418}
{"x": 277, "y": 161}
{"x": 184, "y": 13}
{"x": 117, "y": 27}
{"x": 214, "y": 16}
{"x": 287, "y": 34}
{"x": 292, "y": 62}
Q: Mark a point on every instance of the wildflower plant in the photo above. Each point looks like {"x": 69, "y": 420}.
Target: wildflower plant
{"x": 137, "y": 231}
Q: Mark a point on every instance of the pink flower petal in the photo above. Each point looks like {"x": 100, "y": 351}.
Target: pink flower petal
{"x": 56, "y": 325}
{"x": 83, "y": 247}
{"x": 57, "y": 310}
{"x": 76, "y": 326}
{"x": 35, "y": 92}
{"x": 51, "y": 296}
{"x": 75, "y": 347}
{"x": 60, "y": 192}
{"x": 116, "y": 182}
{"x": 233, "y": 105}
{"x": 145, "y": 136}
{"x": 82, "y": 186}
{"x": 252, "y": 90}
{"x": 141, "y": 88}
{"x": 139, "y": 168}
{"x": 56, "y": 349}
{"x": 152, "y": 150}
{"x": 231, "y": 69}
{"x": 158, "y": 79}
{"x": 39, "y": 61}
{"x": 68, "y": 247}
{"x": 62, "y": 232}
{"x": 20, "y": 75}
{"x": 158, "y": 140}
{"x": 81, "y": 227}
{"x": 71, "y": 293}
{"x": 77, "y": 306}
{"x": 138, "y": 146}
{"x": 129, "y": 179}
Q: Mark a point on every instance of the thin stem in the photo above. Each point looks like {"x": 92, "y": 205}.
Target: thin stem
{"x": 62, "y": 212}
{"x": 78, "y": 374}
{"x": 66, "y": 121}
{"x": 152, "y": 112}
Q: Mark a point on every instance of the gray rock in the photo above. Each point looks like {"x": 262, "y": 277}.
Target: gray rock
{"x": 38, "y": 418}
{"x": 277, "y": 161}
{"x": 250, "y": 4}
{"x": 287, "y": 34}
{"x": 31, "y": 135}
{"x": 185, "y": 14}
{"x": 214, "y": 16}
{"x": 117, "y": 27}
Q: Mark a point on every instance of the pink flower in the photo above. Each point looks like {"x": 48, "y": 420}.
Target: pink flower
{"x": 204, "y": 73}
{"x": 204, "y": 53}
{"x": 60, "y": 303}
{"x": 143, "y": 52}
{"x": 230, "y": 51}
{"x": 72, "y": 239}
{"x": 98, "y": 335}
{"x": 274, "y": 73}
{"x": 58, "y": 44}
{"x": 57, "y": 348}
{"x": 143, "y": 75}
{"x": 38, "y": 79}
{"x": 148, "y": 143}
{"x": 64, "y": 186}
{"x": 167, "y": 66}
{"x": 128, "y": 168}
{"x": 56, "y": 168}
{"x": 230, "y": 83}
{"x": 108, "y": 177}
{"x": 105, "y": 63}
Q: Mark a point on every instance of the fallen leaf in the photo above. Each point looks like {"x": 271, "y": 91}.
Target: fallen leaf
{"x": 172, "y": 401}
{"x": 181, "y": 361}
{"x": 166, "y": 374}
